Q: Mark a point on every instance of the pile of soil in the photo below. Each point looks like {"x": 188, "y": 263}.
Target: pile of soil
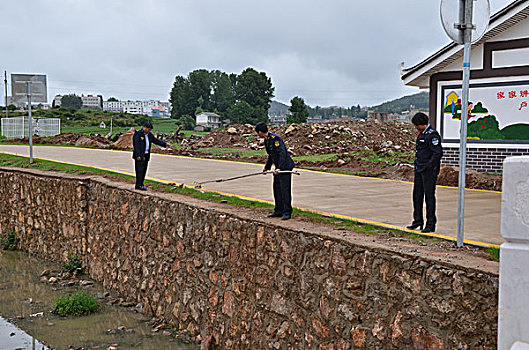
{"x": 315, "y": 138}
{"x": 73, "y": 139}
{"x": 449, "y": 176}
{"x": 125, "y": 140}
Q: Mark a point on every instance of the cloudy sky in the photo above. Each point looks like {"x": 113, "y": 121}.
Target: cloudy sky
{"x": 334, "y": 52}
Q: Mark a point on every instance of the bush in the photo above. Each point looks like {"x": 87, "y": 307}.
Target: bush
{"x": 9, "y": 241}
{"x": 77, "y": 305}
{"x": 72, "y": 263}
{"x": 188, "y": 122}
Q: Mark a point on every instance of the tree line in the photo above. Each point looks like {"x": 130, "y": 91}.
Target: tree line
{"x": 242, "y": 98}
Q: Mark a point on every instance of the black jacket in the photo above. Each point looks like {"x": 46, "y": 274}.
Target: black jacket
{"x": 138, "y": 141}
{"x": 428, "y": 150}
{"x": 277, "y": 153}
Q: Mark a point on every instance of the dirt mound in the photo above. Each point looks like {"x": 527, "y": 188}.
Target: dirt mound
{"x": 315, "y": 138}
{"x": 449, "y": 176}
{"x": 86, "y": 141}
{"x": 68, "y": 139}
{"x": 125, "y": 140}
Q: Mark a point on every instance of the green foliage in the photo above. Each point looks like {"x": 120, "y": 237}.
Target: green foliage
{"x": 386, "y": 158}
{"x": 112, "y": 99}
{"x": 516, "y": 132}
{"x": 241, "y": 113}
{"x": 188, "y": 122}
{"x": 71, "y": 101}
{"x": 486, "y": 128}
{"x": 327, "y": 112}
{"x": 72, "y": 263}
{"x": 204, "y": 90}
{"x": 299, "y": 111}
{"x": 9, "y": 241}
{"x": 255, "y": 88}
{"x": 494, "y": 253}
{"x": 78, "y": 304}
{"x": 220, "y": 151}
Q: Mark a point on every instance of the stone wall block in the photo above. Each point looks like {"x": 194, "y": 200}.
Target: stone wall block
{"x": 245, "y": 284}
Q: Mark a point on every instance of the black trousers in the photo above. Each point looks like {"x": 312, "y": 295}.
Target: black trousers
{"x": 424, "y": 191}
{"x": 283, "y": 193}
{"x": 141, "y": 169}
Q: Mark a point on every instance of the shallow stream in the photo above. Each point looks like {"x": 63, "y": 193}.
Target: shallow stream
{"x": 27, "y": 302}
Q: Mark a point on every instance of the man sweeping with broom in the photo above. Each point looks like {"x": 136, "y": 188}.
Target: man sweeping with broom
{"x": 278, "y": 155}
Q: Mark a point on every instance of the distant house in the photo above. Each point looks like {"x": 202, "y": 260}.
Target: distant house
{"x": 102, "y": 125}
{"x": 277, "y": 119}
{"x": 92, "y": 102}
{"x": 383, "y": 116}
{"x": 152, "y": 108}
{"x": 315, "y": 119}
{"x": 208, "y": 120}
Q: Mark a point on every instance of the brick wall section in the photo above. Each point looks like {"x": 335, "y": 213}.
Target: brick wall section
{"x": 484, "y": 160}
{"x": 249, "y": 284}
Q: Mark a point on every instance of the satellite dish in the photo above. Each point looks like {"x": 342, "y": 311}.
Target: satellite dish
{"x": 450, "y": 18}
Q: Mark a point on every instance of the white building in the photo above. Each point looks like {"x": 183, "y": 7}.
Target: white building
{"x": 89, "y": 101}
{"x": 208, "y": 120}
{"x": 151, "y": 108}
{"x": 92, "y": 102}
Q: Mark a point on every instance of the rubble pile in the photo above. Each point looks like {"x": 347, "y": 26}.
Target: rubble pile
{"x": 314, "y": 138}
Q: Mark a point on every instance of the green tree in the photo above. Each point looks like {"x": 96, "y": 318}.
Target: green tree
{"x": 200, "y": 84}
{"x": 299, "y": 111}
{"x": 181, "y": 98}
{"x": 71, "y": 101}
{"x": 188, "y": 122}
{"x": 255, "y": 88}
{"x": 222, "y": 96}
{"x": 112, "y": 99}
{"x": 241, "y": 113}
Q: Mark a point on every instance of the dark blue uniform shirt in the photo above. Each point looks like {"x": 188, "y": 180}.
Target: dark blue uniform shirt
{"x": 277, "y": 153}
{"x": 428, "y": 150}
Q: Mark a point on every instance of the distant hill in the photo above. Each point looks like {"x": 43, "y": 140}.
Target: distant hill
{"x": 278, "y": 108}
{"x": 419, "y": 101}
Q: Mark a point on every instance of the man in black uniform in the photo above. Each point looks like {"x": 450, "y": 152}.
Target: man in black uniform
{"x": 427, "y": 165}
{"x": 142, "y": 141}
{"x": 278, "y": 155}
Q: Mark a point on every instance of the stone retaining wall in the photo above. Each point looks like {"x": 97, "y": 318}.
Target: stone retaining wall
{"x": 240, "y": 283}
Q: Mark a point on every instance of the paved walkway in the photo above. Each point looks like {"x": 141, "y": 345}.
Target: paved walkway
{"x": 378, "y": 201}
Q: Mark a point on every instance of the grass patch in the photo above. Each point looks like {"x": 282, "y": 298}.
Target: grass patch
{"x": 494, "y": 253}
{"x": 78, "y": 304}
{"x": 9, "y": 160}
{"x": 388, "y": 158}
{"x": 72, "y": 264}
{"x": 220, "y": 151}
{"x": 9, "y": 241}
{"x": 317, "y": 157}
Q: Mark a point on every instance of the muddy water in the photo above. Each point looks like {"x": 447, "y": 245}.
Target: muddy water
{"x": 27, "y": 302}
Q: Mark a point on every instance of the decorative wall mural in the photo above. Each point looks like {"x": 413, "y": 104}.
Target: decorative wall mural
{"x": 498, "y": 111}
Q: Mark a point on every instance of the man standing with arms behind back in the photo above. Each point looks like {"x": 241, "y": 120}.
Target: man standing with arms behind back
{"x": 427, "y": 165}
{"x": 278, "y": 155}
{"x": 142, "y": 142}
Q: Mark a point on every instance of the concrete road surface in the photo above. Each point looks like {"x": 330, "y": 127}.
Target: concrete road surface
{"x": 378, "y": 201}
